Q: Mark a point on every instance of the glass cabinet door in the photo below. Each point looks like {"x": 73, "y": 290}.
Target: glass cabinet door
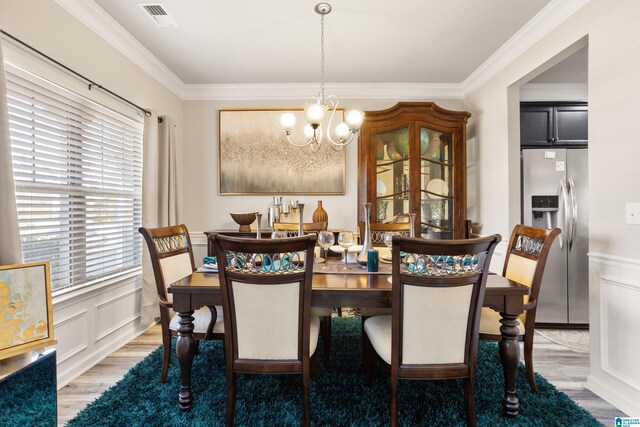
{"x": 392, "y": 175}
{"x": 436, "y": 189}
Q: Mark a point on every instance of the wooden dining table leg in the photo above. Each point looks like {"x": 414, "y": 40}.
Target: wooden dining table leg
{"x": 185, "y": 350}
{"x": 510, "y": 357}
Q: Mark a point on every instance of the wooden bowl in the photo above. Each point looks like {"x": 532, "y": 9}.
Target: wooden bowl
{"x": 244, "y": 220}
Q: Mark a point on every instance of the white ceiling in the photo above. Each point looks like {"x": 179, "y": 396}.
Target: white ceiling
{"x": 366, "y": 41}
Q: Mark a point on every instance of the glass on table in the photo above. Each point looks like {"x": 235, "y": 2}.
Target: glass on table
{"x": 325, "y": 240}
{"x": 279, "y": 234}
{"x": 345, "y": 239}
{"x": 388, "y": 240}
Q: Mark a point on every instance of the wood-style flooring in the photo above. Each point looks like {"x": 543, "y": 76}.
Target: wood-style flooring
{"x": 564, "y": 367}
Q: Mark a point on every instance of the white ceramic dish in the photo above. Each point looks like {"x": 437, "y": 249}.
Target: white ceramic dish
{"x": 351, "y": 256}
{"x": 209, "y": 268}
{"x": 437, "y": 186}
{"x": 339, "y": 249}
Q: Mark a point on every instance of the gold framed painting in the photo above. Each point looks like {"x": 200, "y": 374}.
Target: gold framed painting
{"x": 254, "y": 156}
{"x": 26, "y": 314}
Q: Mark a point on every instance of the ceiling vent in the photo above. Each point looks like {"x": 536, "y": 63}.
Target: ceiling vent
{"x": 158, "y": 14}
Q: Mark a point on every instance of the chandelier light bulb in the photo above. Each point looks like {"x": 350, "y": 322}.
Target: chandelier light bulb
{"x": 314, "y": 113}
{"x": 354, "y": 119}
{"x": 308, "y": 131}
{"x": 342, "y": 131}
{"x": 288, "y": 121}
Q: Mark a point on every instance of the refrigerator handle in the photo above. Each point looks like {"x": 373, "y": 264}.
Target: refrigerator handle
{"x": 563, "y": 193}
{"x": 574, "y": 212}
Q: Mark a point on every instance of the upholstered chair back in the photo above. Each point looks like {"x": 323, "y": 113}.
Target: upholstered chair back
{"x": 527, "y": 256}
{"x": 438, "y": 288}
{"x": 266, "y": 296}
{"x": 171, "y": 255}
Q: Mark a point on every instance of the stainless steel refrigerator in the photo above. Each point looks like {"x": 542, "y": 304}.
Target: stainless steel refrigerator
{"x": 555, "y": 194}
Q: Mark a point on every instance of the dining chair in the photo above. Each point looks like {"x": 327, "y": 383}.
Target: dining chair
{"x": 172, "y": 259}
{"x": 436, "y": 297}
{"x": 323, "y": 313}
{"x": 524, "y": 263}
{"x": 266, "y": 297}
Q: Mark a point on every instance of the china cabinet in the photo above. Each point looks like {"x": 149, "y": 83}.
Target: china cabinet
{"x": 412, "y": 159}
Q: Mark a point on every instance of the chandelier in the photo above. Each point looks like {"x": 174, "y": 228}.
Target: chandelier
{"x": 316, "y": 107}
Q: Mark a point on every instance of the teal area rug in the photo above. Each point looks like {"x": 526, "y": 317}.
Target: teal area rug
{"x": 339, "y": 397}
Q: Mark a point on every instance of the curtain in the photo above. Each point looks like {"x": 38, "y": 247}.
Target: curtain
{"x": 10, "y": 247}
{"x": 159, "y": 199}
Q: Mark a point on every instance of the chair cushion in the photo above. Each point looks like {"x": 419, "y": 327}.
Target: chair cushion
{"x": 201, "y": 320}
{"x": 378, "y": 329}
{"x": 375, "y": 311}
{"x": 313, "y": 335}
{"x": 490, "y": 322}
{"x": 321, "y": 311}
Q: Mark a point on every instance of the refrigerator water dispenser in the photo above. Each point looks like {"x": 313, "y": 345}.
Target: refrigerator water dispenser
{"x": 544, "y": 211}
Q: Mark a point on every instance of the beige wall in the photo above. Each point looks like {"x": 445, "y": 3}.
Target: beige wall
{"x": 206, "y": 210}
{"x": 611, "y": 30}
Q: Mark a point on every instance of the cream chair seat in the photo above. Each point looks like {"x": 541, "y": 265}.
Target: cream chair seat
{"x": 201, "y": 321}
{"x": 490, "y": 322}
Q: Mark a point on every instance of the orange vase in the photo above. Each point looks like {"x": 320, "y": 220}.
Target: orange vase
{"x": 320, "y": 215}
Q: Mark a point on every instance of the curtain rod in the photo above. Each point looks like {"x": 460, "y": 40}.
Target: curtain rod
{"x": 91, "y": 82}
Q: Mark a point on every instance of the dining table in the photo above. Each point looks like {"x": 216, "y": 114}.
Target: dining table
{"x": 355, "y": 288}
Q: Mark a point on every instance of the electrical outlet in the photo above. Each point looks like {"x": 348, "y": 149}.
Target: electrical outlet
{"x": 633, "y": 213}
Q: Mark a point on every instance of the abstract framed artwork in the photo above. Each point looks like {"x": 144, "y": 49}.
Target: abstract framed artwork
{"x": 254, "y": 156}
{"x": 26, "y": 314}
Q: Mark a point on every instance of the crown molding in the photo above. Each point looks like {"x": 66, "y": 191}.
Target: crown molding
{"x": 552, "y": 15}
{"x": 94, "y": 17}
{"x": 554, "y": 92}
{"x": 297, "y": 91}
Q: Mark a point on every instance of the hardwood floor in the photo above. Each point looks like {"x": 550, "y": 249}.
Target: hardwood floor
{"x": 564, "y": 367}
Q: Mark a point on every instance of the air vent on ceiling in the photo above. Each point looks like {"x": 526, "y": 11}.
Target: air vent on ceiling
{"x": 159, "y": 14}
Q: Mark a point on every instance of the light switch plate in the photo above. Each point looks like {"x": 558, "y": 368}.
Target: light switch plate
{"x": 633, "y": 213}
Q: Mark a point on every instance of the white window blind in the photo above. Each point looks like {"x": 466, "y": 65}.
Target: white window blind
{"x": 78, "y": 176}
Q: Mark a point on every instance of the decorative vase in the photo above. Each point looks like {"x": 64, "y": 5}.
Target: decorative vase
{"x": 381, "y": 210}
{"x": 320, "y": 215}
{"x": 362, "y": 257}
{"x": 434, "y": 151}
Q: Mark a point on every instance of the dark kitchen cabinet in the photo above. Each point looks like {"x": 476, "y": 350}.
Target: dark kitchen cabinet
{"x": 553, "y": 124}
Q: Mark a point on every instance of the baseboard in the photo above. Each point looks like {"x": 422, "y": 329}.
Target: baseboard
{"x": 626, "y": 406}
{"x": 92, "y": 359}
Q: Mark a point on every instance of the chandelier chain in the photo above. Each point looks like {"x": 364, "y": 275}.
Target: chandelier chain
{"x": 322, "y": 59}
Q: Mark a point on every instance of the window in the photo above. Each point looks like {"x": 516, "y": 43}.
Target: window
{"x": 78, "y": 177}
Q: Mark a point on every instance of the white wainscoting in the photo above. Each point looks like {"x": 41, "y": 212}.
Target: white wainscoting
{"x": 614, "y": 304}
{"x": 93, "y": 322}
{"x": 199, "y": 242}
